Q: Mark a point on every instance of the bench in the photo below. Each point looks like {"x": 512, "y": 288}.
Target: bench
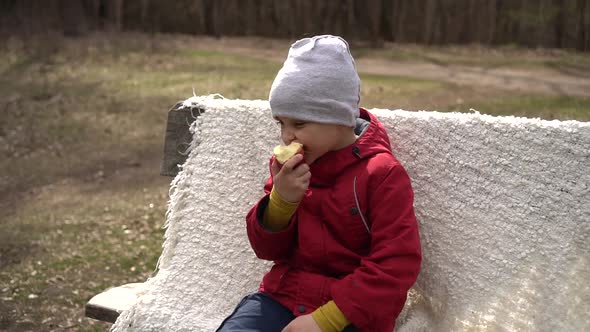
{"x": 502, "y": 203}
{"x": 108, "y": 305}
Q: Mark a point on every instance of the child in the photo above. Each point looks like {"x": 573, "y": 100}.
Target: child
{"x": 337, "y": 221}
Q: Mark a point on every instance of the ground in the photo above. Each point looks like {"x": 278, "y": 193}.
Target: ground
{"x": 82, "y": 204}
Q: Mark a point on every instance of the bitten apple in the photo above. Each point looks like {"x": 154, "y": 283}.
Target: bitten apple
{"x": 283, "y": 153}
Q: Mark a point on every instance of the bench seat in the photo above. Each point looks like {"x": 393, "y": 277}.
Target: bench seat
{"x": 108, "y": 305}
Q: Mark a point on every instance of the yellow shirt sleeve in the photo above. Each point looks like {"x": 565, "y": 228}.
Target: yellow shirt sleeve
{"x": 278, "y": 212}
{"x": 330, "y": 318}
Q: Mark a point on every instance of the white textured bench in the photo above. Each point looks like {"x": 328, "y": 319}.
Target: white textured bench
{"x": 502, "y": 202}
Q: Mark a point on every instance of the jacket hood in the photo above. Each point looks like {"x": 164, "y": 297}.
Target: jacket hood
{"x": 373, "y": 141}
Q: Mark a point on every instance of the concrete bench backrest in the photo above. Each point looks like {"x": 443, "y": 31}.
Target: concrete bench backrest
{"x": 502, "y": 202}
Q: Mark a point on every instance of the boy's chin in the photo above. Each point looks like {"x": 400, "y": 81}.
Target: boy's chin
{"x": 309, "y": 158}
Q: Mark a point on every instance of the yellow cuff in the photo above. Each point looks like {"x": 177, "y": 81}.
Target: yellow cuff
{"x": 278, "y": 212}
{"x": 329, "y": 318}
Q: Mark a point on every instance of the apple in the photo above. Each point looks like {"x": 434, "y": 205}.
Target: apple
{"x": 283, "y": 153}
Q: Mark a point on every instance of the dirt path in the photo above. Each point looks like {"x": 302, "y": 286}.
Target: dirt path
{"x": 544, "y": 81}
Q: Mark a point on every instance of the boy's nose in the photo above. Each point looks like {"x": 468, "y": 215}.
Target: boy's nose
{"x": 287, "y": 136}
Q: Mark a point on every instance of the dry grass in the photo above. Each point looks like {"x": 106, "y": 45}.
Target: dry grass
{"x": 82, "y": 124}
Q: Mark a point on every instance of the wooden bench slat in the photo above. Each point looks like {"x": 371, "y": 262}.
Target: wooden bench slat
{"x": 108, "y": 305}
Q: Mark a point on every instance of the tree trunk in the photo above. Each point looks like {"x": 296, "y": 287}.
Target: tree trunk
{"x": 145, "y": 6}
{"x": 430, "y": 12}
{"x": 73, "y": 18}
{"x": 118, "y": 14}
{"x": 492, "y": 21}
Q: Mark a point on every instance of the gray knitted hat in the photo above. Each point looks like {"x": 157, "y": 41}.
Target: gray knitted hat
{"x": 318, "y": 83}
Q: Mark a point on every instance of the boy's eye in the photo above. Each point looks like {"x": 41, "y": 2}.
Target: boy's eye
{"x": 299, "y": 124}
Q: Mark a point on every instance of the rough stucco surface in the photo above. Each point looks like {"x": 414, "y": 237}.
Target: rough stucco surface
{"x": 503, "y": 206}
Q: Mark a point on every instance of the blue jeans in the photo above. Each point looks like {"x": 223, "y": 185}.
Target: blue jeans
{"x": 258, "y": 312}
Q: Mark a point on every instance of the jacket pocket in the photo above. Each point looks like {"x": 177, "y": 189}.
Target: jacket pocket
{"x": 348, "y": 228}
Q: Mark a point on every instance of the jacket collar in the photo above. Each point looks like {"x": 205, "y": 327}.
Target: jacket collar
{"x": 326, "y": 169}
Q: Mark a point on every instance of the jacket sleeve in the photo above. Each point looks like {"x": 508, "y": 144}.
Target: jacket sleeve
{"x": 267, "y": 244}
{"x": 391, "y": 268}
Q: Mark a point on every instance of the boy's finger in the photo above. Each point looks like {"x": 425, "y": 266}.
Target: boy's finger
{"x": 274, "y": 167}
{"x": 294, "y": 161}
{"x": 300, "y": 169}
{"x": 306, "y": 177}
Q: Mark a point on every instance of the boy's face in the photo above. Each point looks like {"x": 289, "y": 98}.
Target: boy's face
{"x": 317, "y": 138}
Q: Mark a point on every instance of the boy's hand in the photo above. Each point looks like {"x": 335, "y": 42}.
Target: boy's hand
{"x": 304, "y": 323}
{"x": 292, "y": 180}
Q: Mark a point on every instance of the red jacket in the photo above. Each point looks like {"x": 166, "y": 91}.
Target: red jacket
{"x": 327, "y": 252}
